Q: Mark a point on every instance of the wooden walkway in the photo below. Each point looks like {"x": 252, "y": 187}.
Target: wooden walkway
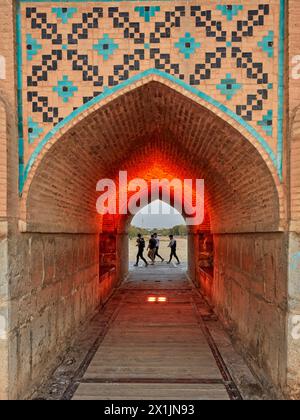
{"x": 157, "y": 350}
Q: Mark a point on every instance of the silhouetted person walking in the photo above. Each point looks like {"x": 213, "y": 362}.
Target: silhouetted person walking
{"x": 140, "y": 243}
{"x": 152, "y": 249}
{"x": 157, "y": 247}
{"x": 173, "y": 246}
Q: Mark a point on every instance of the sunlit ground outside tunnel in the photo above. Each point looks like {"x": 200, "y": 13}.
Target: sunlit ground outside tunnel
{"x": 159, "y": 217}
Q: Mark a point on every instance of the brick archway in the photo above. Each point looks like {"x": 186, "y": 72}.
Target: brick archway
{"x": 7, "y": 134}
{"x": 111, "y": 106}
{"x": 154, "y": 130}
{"x": 198, "y": 90}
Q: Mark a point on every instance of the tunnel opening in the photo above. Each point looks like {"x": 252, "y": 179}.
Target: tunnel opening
{"x": 161, "y": 220}
{"x": 155, "y": 131}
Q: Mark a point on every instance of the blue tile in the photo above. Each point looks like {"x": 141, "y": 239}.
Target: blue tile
{"x": 147, "y": 12}
{"x": 32, "y": 47}
{"x": 106, "y": 46}
{"x": 267, "y": 44}
{"x": 64, "y": 13}
{"x": 229, "y": 86}
{"x": 34, "y": 130}
{"x": 267, "y": 123}
{"x": 187, "y": 45}
{"x": 65, "y": 89}
{"x": 230, "y": 11}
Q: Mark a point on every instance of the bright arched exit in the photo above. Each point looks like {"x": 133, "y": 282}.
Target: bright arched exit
{"x": 164, "y": 220}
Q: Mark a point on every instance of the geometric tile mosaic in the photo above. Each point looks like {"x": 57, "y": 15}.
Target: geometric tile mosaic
{"x": 65, "y": 89}
{"x": 105, "y": 46}
{"x": 229, "y": 86}
{"x": 71, "y": 52}
{"x": 187, "y": 45}
{"x": 267, "y": 123}
{"x": 267, "y": 44}
{"x": 34, "y": 130}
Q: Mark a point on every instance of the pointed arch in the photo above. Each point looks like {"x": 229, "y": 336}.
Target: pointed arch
{"x": 139, "y": 80}
{"x": 188, "y": 139}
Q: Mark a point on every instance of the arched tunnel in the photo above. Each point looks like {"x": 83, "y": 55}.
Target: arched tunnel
{"x": 77, "y": 258}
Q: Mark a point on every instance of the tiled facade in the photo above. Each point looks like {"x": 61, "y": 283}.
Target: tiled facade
{"x": 47, "y": 283}
{"x": 72, "y": 54}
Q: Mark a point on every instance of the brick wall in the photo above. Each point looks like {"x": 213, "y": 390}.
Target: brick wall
{"x": 8, "y": 119}
{"x": 8, "y": 133}
{"x": 294, "y": 110}
{"x": 3, "y": 162}
{"x": 7, "y": 51}
{"x": 182, "y": 139}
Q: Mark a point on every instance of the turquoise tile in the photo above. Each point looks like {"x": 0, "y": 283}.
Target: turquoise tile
{"x": 229, "y": 86}
{"x": 230, "y": 11}
{"x": 187, "y": 45}
{"x": 147, "y": 12}
{"x": 32, "y": 47}
{"x": 267, "y": 44}
{"x": 34, "y": 130}
{"x": 65, "y": 89}
{"x": 106, "y": 47}
{"x": 267, "y": 123}
{"x": 64, "y": 13}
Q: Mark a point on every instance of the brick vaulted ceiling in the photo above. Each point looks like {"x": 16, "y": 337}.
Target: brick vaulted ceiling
{"x": 148, "y": 128}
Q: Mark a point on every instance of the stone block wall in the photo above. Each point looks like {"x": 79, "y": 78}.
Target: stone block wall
{"x": 3, "y": 161}
{"x": 54, "y": 289}
{"x": 293, "y": 317}
{"x": 3, "y": 318}
{"x": 249, "y": 294}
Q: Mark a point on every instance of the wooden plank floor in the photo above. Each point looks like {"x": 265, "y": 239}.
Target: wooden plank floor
{"x": 154, "y": 350}
{"x": 150, "y": 392}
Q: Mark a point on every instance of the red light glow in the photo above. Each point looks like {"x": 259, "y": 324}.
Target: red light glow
{"x": 156, "y": 165}
{"x": 153, "y": 299}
